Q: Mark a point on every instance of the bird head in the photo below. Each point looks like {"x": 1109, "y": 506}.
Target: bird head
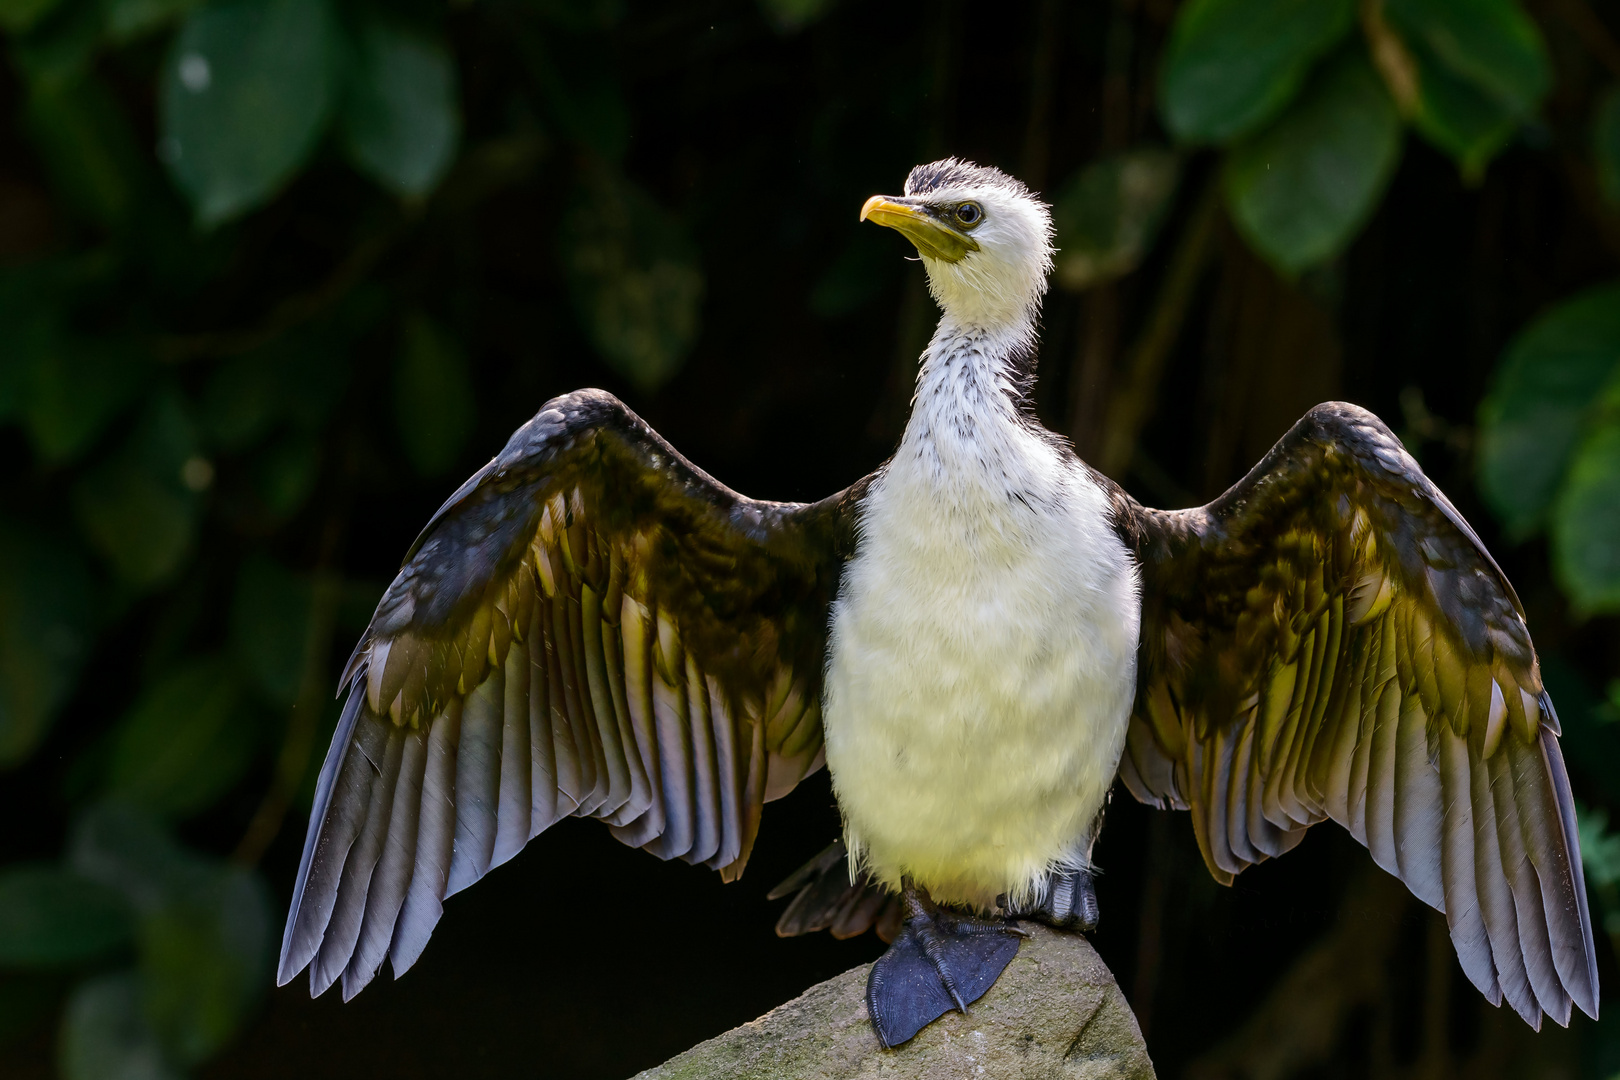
{"x": 985, "y": 239}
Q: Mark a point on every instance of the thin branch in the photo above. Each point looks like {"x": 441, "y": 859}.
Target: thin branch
{"x": 289, "y": 314}
{"x": 1134, "y": 399}
{"x": 314, "y": 684}
{"x": 1043, "y": 81}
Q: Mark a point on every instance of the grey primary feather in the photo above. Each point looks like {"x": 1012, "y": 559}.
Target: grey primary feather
{"x": 513, "y": 817}
{"x": 435, "y": 843}
{"x": 478, "y": 782}
{"x": 333, "y": 825}
{"x": 1532, "y": 918}
{"x": 1464, "y": 914}
{"x": 588, "y": 626}
{"x": 343, "y": 930}
{"x": 392, "y": 877}
{"x": 675, "y": 755}
{"x": 706, "y": 789}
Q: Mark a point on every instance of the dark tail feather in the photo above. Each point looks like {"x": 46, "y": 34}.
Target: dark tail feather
{"x": 827, "y": 899}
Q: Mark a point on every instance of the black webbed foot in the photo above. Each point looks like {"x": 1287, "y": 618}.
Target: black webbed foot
{"x": 1070, "y": 903}
{"x": 939, "y": 961}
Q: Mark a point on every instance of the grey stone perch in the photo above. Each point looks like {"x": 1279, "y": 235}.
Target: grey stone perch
{"x": 1056, "y": 1012}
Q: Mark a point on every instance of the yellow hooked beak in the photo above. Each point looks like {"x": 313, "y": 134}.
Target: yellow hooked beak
{"x": 934, "y": 239}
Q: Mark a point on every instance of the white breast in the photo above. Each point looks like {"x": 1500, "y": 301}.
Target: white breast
{"x": 983, "y": 657}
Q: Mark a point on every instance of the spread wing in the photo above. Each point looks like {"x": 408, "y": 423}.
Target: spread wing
{"x": 1330, "y": 639}
{"x": 590, "y": 626}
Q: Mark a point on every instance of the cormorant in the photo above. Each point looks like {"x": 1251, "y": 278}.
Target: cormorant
{"x": 976, "y": 639}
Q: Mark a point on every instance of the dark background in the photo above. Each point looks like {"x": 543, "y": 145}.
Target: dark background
{"x": 754, "y": 133}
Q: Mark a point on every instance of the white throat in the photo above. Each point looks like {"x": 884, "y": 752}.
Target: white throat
{"x": 966, "y": 433}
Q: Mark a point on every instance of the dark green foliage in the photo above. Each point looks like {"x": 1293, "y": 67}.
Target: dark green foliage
{"x": 400, "y": 121}
{"x": 50, "y": 916}
{"x": 1108, "y": 216}
{"x": 433, "y": 397}
{"x": 634, "y": 277}
{"x": 1550, "y": 441}
{"x": 247, "y": 88}
{"x": 202, "y": 933}
{"x": 185, "y": 742}
{"x": 46, "y": 626}
{"x": 1234, "y": 64}
{"x": 1606, "y": 144}
{"x": 1303, "y": 187}
{"x": 1482, "y": 71}
{"x": 1469, "y": 73}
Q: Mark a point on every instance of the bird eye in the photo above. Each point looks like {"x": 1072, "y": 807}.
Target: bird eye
{"x": 969, "y": 213}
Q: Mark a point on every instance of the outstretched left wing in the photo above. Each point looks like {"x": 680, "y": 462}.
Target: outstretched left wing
{"x": 590, "y": 626}
{"x": 1330, "y": 639}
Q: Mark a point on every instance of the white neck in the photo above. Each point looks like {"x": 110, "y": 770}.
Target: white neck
{"x": 966, "y": 435}
{"x": 968, "y": 378}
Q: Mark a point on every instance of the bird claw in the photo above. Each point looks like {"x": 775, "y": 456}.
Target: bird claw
{"x": 938, "y": 962}
{"x": 1070, "y": 903}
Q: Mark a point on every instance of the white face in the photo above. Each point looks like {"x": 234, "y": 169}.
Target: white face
{"x": 1002, "y": 281}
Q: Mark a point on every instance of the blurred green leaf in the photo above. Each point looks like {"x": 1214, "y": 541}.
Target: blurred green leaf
{"x": 1600, "y": 849}
{"x": 634, "y": 277}
{"x": 401, "y": 119}
{"x": 1301, "y": 190}
{"x": 1459, "y": 118}
{"x": 270, "y": 626}
{"x": 135, "y": 505}
{"x": 186, "y": 741}
{"x": 298, "y": 378}
{"x": 78, "y": 385}
{"x": 284, "y": 473}
{"x": 59, "y": 49}
{"x": 1231, "y": 65}
{"x": 50, "y": 916}
{"x": 129, "y": 19}
{"x": 206, "y": 960}
{"x": 1107, "y": 217}
{"x": 434, "y": 404}
{"x": 791, "y": 16}
{"x": 125, "y": 848}
{"x": 45, "y": 634}
{"x": 106, "y": 1036}
{"x": 19, "y": 16}
{"x": 582, "y": 91}
{"x": 1482, "y": 71}
{"x": 1537, "y": 409}
{"x": 247, "y": 89}
{"x": 1490, "y": 44}
{"x": 88, "y": 145}
{"x": 1606, "y": 143}
{"x": 204, "y": 931}
{"x": 1586, "y": 523}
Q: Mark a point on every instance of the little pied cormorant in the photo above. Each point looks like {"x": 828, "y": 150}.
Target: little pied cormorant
{"x": 976, "y": 639}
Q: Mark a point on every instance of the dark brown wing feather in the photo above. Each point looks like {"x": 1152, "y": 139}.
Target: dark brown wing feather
{"x": 1330, "y": 639}
{"x": 590, "y": 626}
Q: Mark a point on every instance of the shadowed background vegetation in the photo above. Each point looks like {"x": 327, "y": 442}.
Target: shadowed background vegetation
{"x": 276, "y": 274}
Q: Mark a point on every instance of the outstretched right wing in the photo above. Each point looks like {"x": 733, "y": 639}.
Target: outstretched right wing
{"x": 590, "y": 626}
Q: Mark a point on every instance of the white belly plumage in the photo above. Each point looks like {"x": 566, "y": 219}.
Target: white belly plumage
{"x": 981, "y": 672}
